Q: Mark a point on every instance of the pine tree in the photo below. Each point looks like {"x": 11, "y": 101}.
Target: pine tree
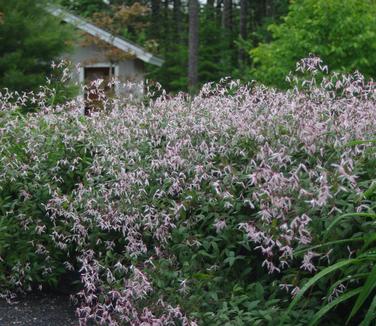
{"x": 29, "y": 40}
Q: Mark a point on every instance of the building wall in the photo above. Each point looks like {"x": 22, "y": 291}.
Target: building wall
{"x": 126, "y": 71}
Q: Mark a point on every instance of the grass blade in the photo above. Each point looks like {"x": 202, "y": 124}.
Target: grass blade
{"x": 344, "y": 216}
{"x": 318, "y": 315}
{"x": 313, "y": 280}
{"x": 367, "y": 288}
{"x": 371, "y": 314}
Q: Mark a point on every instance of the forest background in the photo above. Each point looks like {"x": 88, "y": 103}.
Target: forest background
{"x": 200, "y": 41}
{"x": 224, "y": 31}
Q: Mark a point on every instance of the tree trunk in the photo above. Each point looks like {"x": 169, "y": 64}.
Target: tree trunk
{"x": 227, "y": 53}
{"x": 193, "y": 45}
{"x": 218, "y": 13}
{"x": 155, "y": 18}
{"x": 227, "y": 15}
{"x": 243, "y": 28}
{"x": 166, "y": 27}
{"x": 258, "y": 13}
{"x": 210, "y": 4}
{"x": 210, "y": 11}
{"x": 269, "y": 8}
{"x": 177, "y": 20}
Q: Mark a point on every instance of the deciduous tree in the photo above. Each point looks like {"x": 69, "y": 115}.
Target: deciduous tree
{"x": 342, "y": 33}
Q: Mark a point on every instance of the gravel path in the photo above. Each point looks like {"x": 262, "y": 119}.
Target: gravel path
{"x": 41, "y": 310}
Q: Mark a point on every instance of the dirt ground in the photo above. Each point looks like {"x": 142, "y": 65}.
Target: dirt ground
{"x": 38, "y": 310}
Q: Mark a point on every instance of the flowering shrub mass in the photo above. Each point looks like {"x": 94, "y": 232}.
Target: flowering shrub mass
{"x": 185, "y": 211}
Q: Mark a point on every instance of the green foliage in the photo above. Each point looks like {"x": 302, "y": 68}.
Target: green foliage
{"x": 29, "y": 40}
{"x": 69, "y": 184}
{"x": 215, "y": 276}
{"x": 342, "y": 33}
{"x": 215, "y": 54}
{"x": 85, "y": 7}
{"x": 165, "y": 32}
{"x": 351, "y": 237}
{"x": 25, "y": 240}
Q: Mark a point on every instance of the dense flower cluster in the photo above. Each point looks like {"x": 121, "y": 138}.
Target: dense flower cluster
{"x": 117, "y": 182}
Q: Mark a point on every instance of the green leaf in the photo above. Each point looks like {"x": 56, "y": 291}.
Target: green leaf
{"x": 367, "y": 288}
{"x": 371, "y": 314}
{"x": 360, "y": 142}
{"x": 313, "y": 280}
{"x": 347, "y": 278}
{"x": 332, "y": 304}
{"x": 344, "y": 216}
{"x": 202, "y": 276}
{"x": 330, "y": 243}
{"x": 370, "y": 191}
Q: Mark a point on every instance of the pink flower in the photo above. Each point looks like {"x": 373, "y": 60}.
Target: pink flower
{"x": 219, "y": 225}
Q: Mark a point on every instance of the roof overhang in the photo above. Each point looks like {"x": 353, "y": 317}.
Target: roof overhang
{"x": 115, "y": 41}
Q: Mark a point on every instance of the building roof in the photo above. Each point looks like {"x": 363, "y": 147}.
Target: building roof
{"x": 116, "y": 41}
